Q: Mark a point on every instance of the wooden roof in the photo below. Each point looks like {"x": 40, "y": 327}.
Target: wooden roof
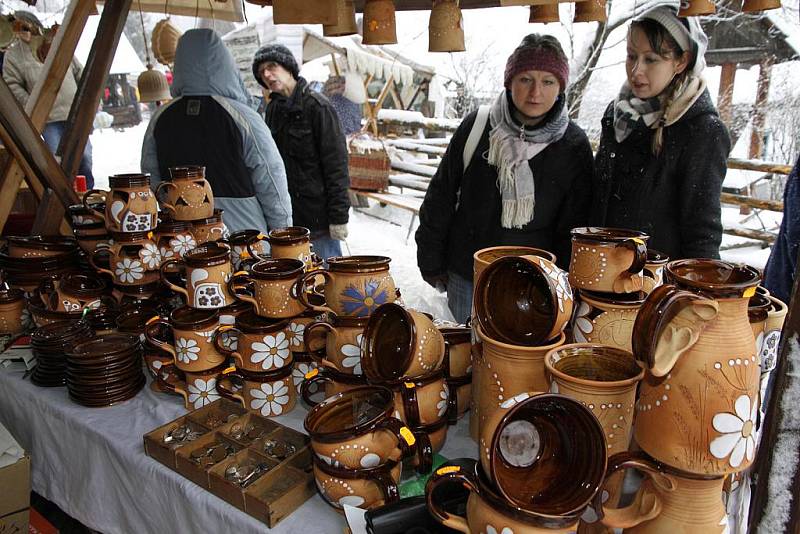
{"x": 749, "y": 39}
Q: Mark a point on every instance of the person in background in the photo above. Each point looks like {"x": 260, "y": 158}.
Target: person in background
{"x": 782, "y": 264}
{"x": 210, "y": 122}
{"x": 22, "y": 68}
{"x": 663, "y": 148}
{"x": 348, "y": 112}
{"x": 313, "y": 147}
{"x": 526, "y": 183}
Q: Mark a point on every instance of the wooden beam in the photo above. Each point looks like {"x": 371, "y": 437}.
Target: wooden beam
{"x": 84, "y": 107}
{"x": 49, "y": 215}
{"x": 412, "y": 146}
{"x": 741, "y": 200}
{"x": 759, "y": 165}
{"x": 760, "y": 111}
{"x": 758, "y": 235}
{"x": 725, "y": 97}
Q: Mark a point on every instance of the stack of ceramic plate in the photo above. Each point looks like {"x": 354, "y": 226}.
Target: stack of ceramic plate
{"x": 49, "y": 344}
{"x": 105, "y": 370}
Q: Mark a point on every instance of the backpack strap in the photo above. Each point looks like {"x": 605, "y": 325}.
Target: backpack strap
{"x": 475, "y": 135}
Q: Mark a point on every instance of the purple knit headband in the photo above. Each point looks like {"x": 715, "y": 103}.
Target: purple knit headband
{"x": 536, "y": 58}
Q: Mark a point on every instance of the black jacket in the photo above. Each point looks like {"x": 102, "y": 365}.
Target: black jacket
{"x": 675, "y": 197}
{"x": 314, "y": 151}
{"x": 461, "y": 211}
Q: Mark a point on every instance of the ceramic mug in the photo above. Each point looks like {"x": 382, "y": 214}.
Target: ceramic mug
{"x": 246, "y": 245}
{"x": 606, "y": 319}
{"x": 187, "y": 195}
{"x": 331, "y": 381}
{"x": 269, "y": 394}
{"x": 482, "y": 258}
{"x": 210, "y": 228}
{"x": 292, "y": 242}
{"x": 276, "y": 284}
{"x": 133, "y": 258}
{"x": 457, "y": 366}
{"x": 342, "y": 338}
{"x": 198, "y": 388}
{"x": 208, "y": 270}
{"x": 366, "y": 488}
{"x": 423, "y": 401}
{"x": 193, "y": 331}
{"x": 607, "y": 259}
{"x": 654, "y": 270}
{"x": 174, "y": 239}
{"x": 14, "y": 317}
{"x": 73, "y": 292}
{"x": 130, "y": 205}
{"x": 261, "y": 343}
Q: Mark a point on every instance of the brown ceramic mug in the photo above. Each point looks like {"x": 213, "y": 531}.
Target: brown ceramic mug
{"x": 292, "y": 242}
{"x": 73, "y": 292}
{"x": 83, "y": 217}
{"x": 261, "y": 343}
{"x": 133, "y": 258}
{"x": 654, "y": 270}
{"x": 193, "y": 331}
{"x": 174, "y": 239}
{"x": 276, "y": 284}
{"x": 330, "y": 380}
{"x": 13, "y": 313}
{"x": 90, "y": 239}
{"x": 342, "y": 338}
{"x": 424, "y": 400}
{"x": 198, "y": 388}
{"x": 210, "y": 228}
{"x": 208, "y": 271}
{"x": 270, "y": 394}
{"x": 606, "y": 319}
{"x": 130, "y": 205}
{"x": 607, "y": 259}
{"x": 457, "y": 366}
{"x": 366, "y": 488}
{"x": 246, "y": 245}
{"x": 187, "y": 195}
{"x": 482, "y": 258}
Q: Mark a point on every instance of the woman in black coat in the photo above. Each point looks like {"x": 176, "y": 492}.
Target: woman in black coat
{"x": 663, "y": 150}
{"x": 526, "y": 183}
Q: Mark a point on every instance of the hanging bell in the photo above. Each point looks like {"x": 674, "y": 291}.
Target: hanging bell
{"x": 304, "y": 12}
{"x": 346, "y": 25}
{"x": 693, "y": 8}
{"x": 380, "y": 26}
{"x": 544, "y": 14}
{"x": 153, "y": 86}
{"x": 446, "y": 27}
{"x": 164, "y": 41}
{"x": 751, "y": 6}
{"x": 590, "y": 11}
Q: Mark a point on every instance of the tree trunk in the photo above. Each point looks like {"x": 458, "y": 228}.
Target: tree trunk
{"x": 576, "y": 90}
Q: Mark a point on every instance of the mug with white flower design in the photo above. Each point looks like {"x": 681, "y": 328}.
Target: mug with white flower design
{"x": 654, "y": 270}
{"x": 261, "y": 343}
{"x": 82, "y": 217}
{"x": 174, "y": 239}
{"x": 210, "y": 228}
{"x": 698, "y": 403}
{"x": 270, "y": 394}
{"x": 227, "y": 317}
{"x": 400, "y": 344}
{"x": 354, "y": 285}
{"x": 133, "y": 258}
{"x": 303, "y": 365}
{"x": 342, "y": 337}
{"x": 490, "y": 512}
{"x": 366, "y": 488}
{"x": 276, "y": 283}
{"x": 198, "y": 389}
{"x": 669, "y": 501}
{"x": 187, "y": 195}
{"x": 246, "y": 245}
{"x": 73, "y": 292}
{"x": 606, "y": 318}
{"x": 422, "y": 401}
{"x": 90, "y": 239}
{"x": 523, "y": 300}
{"x": 130, "y": 205}
{"x": 193, "y": 331}
{"x": 296, "y": 330}
{"x": 607, "y": 259}
{"x": 323, "y": 377}
{"x": 292, "y": 242}
{"x": 207, "y": 273}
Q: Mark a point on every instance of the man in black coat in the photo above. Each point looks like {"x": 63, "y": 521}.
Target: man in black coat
{"x": 307, "y": 132}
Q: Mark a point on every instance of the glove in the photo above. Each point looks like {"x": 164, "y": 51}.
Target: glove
{"x": 338, "y": 231}
{"x": 438, "y": 281}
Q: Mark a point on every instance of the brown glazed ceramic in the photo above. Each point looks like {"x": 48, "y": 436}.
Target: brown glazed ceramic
{"x": 74, "y": 292}
{"x": 303, "y": 365}
{"x": 261, "y": 343}
{"x": 174, "y": 239}
{"x": 13, "y": 313}
{"x": 342, "y": 340}
{"x": 246, "y": 245}
{"x": 90, "y": 239}
{"x": 210, "y": 228}
{"x": 208, "y": 271}
{"x": 354, "y": 285}
{"x": 356, "y": 429}
{"x": 198, "y": 388}
{"x": 654, "y": 270}
{"x": 400, "y": 344}
{"x": 606, "y": 319}
{"x": 773, "y": 325}
{"x": 482, "y": 258}
{"x": 333, "y": 382}
{"x": 270, "y": 394}
{"x": 698, "y": 402}
{"x": 291, "y": 242}
{"x": 193, "y": 331}
{"x": 130, "y": 205}
{"x": 295, "y": 332}
{"x": 457, "y": 366}
{"x": 366, "y": 488}
{"x": 133, "y": 258}
{"x": 38, "y": 246}
{"x": 523, "y": 300}
{"x": 422, "y": 401}
{"x": 83, "y": 217}
{"x": 668, "y": 501}
{"x": 607, "y": 259}
{"x": 276, "y": 284}
{"x": 187, "y": 195}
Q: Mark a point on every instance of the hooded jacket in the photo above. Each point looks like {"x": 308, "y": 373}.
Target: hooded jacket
{"x": 210, "y": 122}
{"x": 673, "y": 197}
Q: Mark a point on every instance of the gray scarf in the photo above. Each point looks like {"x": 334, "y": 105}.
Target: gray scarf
{"x": 511, "y": 147}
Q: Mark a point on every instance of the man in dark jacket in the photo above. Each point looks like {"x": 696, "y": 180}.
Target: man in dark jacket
{"x": 306, "y": 129}
{"x": 780, "y": 269}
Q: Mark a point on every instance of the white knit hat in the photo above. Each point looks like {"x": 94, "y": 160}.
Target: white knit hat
{"x": 692, "y": 38}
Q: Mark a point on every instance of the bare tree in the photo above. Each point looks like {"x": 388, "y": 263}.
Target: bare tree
{"x": 473, "y": 78}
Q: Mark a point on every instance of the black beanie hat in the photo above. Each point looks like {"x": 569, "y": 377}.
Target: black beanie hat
{"x": 277, "y": 53}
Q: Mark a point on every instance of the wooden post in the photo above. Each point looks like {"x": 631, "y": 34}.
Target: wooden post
{"x": 725, "y": 98}
{"x": 759, "y": 113}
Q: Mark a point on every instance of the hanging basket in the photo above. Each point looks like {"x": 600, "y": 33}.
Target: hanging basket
{"x": 446, "y": 27}
{"x": 368, "y": 163}
{"x": 346, "y": 20}
{"x": 590, "y": 11}
{"x": 380, "y": 26}
{"x": 164, "y": 41}
{"x": 544, "y": 14}
{"x": 693, "y": 8}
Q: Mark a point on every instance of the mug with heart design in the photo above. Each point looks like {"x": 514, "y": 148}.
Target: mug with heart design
{"x": 187, "y": 195}
{"x": 342, "y": 337}
{"x": 198, "y": 388}
{"x": 276, "y": 283}
{"x": 193, "y": 331}
{"x": 608, "y": 259}
{"x": 208, "y": 270}
{"x": 133, "y": 259}
{"x": 210, "y": 228}
{"x": 270, "y": 394}
{"x": 366, "y": 488}
{"x": 130, "y": 205}
{"x": 261, "y": 343}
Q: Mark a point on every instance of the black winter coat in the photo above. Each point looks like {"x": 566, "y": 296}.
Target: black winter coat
{"x": 461, "y": 211}
{"x": 309, "y": 138}
{"x": 675, "y": 197}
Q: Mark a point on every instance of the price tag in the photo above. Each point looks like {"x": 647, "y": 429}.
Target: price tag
{"x": 408, "y": 436}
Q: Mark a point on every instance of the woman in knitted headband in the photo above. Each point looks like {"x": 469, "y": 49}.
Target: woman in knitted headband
{"x": 516, "y": 172}
{"x": 663, "y": 148}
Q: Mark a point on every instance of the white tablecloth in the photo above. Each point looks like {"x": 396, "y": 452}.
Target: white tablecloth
{"x": 91, "y": 463}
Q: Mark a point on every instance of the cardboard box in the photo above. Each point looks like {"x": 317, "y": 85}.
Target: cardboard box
{"x": 15, "y": 487}
{"x": 16, "y": 523}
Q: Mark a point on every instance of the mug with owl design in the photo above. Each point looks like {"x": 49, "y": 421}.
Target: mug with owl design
{"x": 130, "y": 205}
{"x": 207, "y": 272}
{"x": 187, "y": 196}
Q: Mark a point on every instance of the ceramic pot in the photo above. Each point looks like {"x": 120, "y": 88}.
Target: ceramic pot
{"x": 269, "y": 394}
{"x": 343, "y": 338}
{"x": 606, "y": 319}
{"x": 39, "y": 246}
{"x": 607, "y": 259}
{"x": 291, "y": 242}
{"x": 698, "y": 402}
{"x": 654, "y": 270}
{"x": 133, "y": 258}
{"x": 261, "y": 344}
{"x": 400, "y": 344}
{"x": 130, "y": 205}
{"x": 523, "y": 300}
{"x": 210, "y": 228}
{"x": 379, "y": 22}
{"x": 187, "y": 196}
{"x": 331, "y": 381}
{"x": 208, "y": 271}
{"x": 276, "y": 286}
{"x": 366, "y": 488}
{"x": 354, "y": 285}
{"x": 174, "y": 239}
{"x": 446, "y": 27}
{"x": 198, "y": 388}
{"x": 193, "y": 331}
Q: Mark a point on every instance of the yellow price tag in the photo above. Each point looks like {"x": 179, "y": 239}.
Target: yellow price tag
{"x": 225, "y": 328}
{"x": 229, "y": 370}
{"x": 152, "y": 320}
{"x": 149, "y": 235}
{"x": 244, "y": 255}
{"x": 261, "y": 236}
{"x": 448, "y": 469}
{"x": 638, "y": 241}
{"x": 409, "y": 385}
{"x": 408, "y": 436}
{"x": 237, "y": 273}
{"x": 311, "y": 374}
{"x": 749, "y": 292}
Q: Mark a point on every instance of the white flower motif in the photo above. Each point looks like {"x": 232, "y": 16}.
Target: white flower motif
{"x": 296, "y": 333}
{"x": 273, "y": 352}
{"x": 270, "y": 398}
{"x": 166, "y": 253}
{"x": 226, "y": 233}
{"x": 229, "y": 340}
{"x": 301, "y": 369}
{"x": 442, "y": 404}
{"x": 78, "y": 220}
{"x": 581, "y": 324}
{"x": 182, "y": 244}
{"x": 202, "y": 392}
{"x": 491, "y": 530}
{"x": 737, "y": 439}
{"x": 561, "y": 279}
{"x": 128, "y": 270}
{"x": 150, "y": 255}
{"x": 352, "y": 355}
{"x": 186, "y": 349}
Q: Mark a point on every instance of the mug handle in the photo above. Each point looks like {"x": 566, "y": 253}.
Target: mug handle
{"x": 408, "y": 392}
{"x": 406, "y": 441}
{"x": 316, "y": 325}
{"x": 450, "y": 474}
{"x": 314, "y": 376}
{"x": 424, "y": 453}
{"x": 217, "y": 341}
{"x": 252, "y": 241}
{"x": 383, "y": 479}
{"x": 639, "y": 249}
{"x": 92, "y": 261}
{"x": 228, "y": 392}
{"x": 238, "y": 281}
{"x": 646, "y": 505}
{"x": 302, "y": 284}
{"x": 162, "y": 273}
{"x": 150, "y": 335}
{"x": 85, "y": 202}
{"x": 452, "y": 402}
{"x": 165, "y": 205}
{"x": 171, "y": 388}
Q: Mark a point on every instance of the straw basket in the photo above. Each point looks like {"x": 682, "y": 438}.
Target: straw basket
{"x": 164, "y": 41}
{"x": 368, "y": 163}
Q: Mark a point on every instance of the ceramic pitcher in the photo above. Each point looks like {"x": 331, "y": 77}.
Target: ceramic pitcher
{"x": 187, "y": 194}
{"x": 607, "y": 259}
{"x": 130, "y": 206}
